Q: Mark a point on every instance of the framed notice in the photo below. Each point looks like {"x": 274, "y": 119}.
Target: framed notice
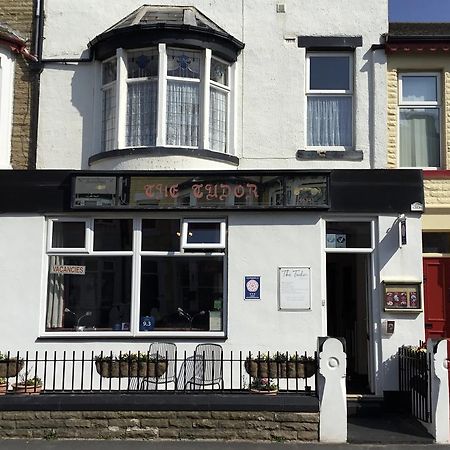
{"x": 294, "y": 288}
{"x": 403, "y": 297}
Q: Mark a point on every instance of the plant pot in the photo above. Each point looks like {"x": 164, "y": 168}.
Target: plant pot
{"x": 10, "y": 367}
{"x": 3, "y": 388}
{"x": 272, "y": 369}
{"x": 27, "y": 389}
{"x": 128, "y": 369}
{"x": 264, "y": 392}
{"x": 265, "y": 369}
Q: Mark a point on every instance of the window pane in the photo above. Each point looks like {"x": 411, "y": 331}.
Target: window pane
{"x": 219, "y": 72}
{"x": 89, "y": 293}
{"x": 419, "y": 89}
{"x": 109, "y": 118}
{"x": 419, "y": 137}
{"x": 329, "y": 121}
{"x": 161, "y": 235}
{"x": 218, "y": 110}
{"x": 109, "y": 71}
{"x": 194, "y": 284}
{"x": 435, "y": 242}
{"x": 113, "y": 234}
{"x": 68, "y": 235}
{"x": 142, "y": 104}
{"x": 182, "y": 113}
{"x": 183, "y": 63}
{"x": 329, "y": 72}
{"x": 203, "y": 233}
{"x": 142, "y": 64}
{"x": 348, "y": 235}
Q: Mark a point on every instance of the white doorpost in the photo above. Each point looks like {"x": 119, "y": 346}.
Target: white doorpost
{"x": 332, "y": 391}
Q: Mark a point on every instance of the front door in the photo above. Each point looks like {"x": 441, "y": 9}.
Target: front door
{"x": 347, "y": 314}
{"x": 436, "y": 280}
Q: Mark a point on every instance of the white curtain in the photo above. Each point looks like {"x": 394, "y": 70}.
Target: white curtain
{"x": 55, "y": 297}
{"x": 419, "y": 138}
{"x": 109, "y": 118}
{"x": 182, "y": 113}
{"x": 330, "y": 121}
{"x": 218, "y": 120}
{"x": 141, "y": 114}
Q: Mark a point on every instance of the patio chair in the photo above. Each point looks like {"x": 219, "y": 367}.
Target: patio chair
{"x": 167, "y": 351}
{"x": 202, "y": 369}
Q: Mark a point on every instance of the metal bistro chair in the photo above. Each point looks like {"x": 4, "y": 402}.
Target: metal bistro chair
{"x": 205, "y": 368}
{"x": 167, "y": 351}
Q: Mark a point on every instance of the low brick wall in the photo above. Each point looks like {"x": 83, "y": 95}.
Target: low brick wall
{"x": 223, "y": 425}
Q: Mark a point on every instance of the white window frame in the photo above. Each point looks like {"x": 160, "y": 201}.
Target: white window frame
{"x": 205, "y": 84}
{"x": 112, "y": 85}
{"x": 88, "y": 236}
{"x": 330, "y": 92}
{"x": 205, "y": 245}
{"x": 6, "y": 106}
{"x": 136, "y": 253}
{"x": 437, "y": 104}
{"x": 351, "y": 249}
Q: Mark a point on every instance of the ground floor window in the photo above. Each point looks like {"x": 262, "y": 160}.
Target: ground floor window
{"x": 137, "y": 276}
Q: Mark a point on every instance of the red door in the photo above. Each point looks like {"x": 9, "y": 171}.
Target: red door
{"x": 436, "y": 279}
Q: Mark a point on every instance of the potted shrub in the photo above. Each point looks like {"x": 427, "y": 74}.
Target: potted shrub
{"x": 280, "y": 365}
{"x": 26, "y": 385}
{"x": 131, "y": 365}
{"x": 263, "y": 386}
{"x": 3, "y": 385}
{"x": 9, "y": 366}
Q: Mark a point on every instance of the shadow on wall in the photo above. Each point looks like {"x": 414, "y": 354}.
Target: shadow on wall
{"x": 83, "y": 98}
{"x": 388, "y": 246}
{"x": 388, "y": 371}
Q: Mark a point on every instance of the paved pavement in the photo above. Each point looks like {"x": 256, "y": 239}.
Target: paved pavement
{"x": 19, "y": 444}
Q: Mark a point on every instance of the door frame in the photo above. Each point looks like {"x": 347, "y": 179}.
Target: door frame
{"x": 372, "y": 306}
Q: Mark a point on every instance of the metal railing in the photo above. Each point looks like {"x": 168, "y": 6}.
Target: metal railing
{"x": 414, "y": 379}
{"x": 84, "y": 372}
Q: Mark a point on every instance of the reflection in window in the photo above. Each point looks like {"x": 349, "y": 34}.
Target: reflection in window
{"x": 113, "y": 234}
{"x": 161, "y": 235}
{"x": 435, "y": 242}
{"x": 87, "y": 293}
{"x": 348, "y": 235}
{"x": 182, "y": 293}
{"x": 68, "y": 234}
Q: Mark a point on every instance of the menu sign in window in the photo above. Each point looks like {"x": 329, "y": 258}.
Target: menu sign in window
{"x": 402, "y": 297}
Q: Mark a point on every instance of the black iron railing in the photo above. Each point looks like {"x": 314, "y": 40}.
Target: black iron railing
{"x": 414, "y": 380}
{"x": 83, "y": 372}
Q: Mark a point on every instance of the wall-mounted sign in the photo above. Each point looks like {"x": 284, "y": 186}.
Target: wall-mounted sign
{"x": 252, "y": 288}
{"x": 69, "y": 270}
{"x": 204, "y": 191}
{"x": 402, "y": 297}
{"x": 294, "y": 288}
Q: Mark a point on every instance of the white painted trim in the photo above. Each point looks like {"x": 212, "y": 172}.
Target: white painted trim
{"x": 161, "y": 126}
{"x": 204, "y": 115}
{"x": 6, "y": 106}
{"x": 121, "y": 98}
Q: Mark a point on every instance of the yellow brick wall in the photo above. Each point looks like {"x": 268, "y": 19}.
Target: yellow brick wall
{"x": 437, "y": 191}
{"x": 18, "y": 14}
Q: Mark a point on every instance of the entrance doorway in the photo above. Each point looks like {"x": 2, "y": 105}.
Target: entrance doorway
{"x": 436, "y": 280}
{"x": 347, "y": 315}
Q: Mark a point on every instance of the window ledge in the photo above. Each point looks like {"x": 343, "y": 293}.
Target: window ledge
{"x": 166, "y": 151}
{"x": 330, "y": 155}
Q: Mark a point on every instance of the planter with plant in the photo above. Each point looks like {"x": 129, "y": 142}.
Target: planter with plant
{"x": 280, "y": 365}
{"x": 131, "y": 365}
{"x": 263, "y": 386}
{"x": 28, "y": 385}
{"x": 3, "y": 385}
{"x": 9, "y": 366}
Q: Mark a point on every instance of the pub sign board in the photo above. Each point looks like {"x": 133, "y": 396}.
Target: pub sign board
{"x": 221, "y": 191}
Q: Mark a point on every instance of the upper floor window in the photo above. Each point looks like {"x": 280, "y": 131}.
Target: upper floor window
{"x": 166, "y": 96}
{"x": 6, "y": 96}
{"x": 419, "y": 119}
{"x": 329, "y": 93}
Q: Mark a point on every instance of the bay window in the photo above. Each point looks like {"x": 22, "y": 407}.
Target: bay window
{"x": 166, "y": 96}
{"x": 419, "y": 120}
{"x": 329, "y": 99}
{"x": 162, "y": 276}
